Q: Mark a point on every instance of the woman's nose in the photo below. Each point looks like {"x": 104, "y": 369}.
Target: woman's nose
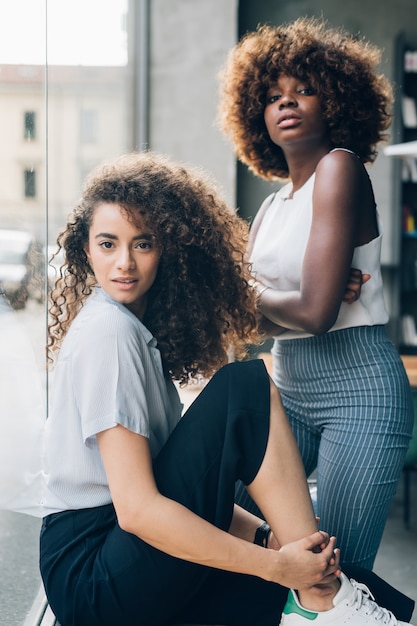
{"x": 287, "y": 99}
{"x": 125, "y": 259}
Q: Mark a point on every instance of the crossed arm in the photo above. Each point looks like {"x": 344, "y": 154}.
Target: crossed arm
{"x": 327, "y": 278}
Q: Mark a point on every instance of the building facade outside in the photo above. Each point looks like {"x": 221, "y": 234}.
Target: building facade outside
{"x": 54, "y": 140}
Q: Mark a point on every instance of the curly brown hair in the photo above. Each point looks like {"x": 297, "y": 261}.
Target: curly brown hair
{"x": 355, "y": 99}
{"x": 200, "y": 305}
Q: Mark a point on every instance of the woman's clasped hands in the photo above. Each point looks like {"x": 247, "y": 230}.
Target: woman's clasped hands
{"x": 308, "y": 562}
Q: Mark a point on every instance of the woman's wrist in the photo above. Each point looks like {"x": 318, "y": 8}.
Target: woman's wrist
{"x": 262, "y": 535}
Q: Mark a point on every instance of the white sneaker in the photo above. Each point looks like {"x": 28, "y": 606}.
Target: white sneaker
{"x": 353, "y": 605}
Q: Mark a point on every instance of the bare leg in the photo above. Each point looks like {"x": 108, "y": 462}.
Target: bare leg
{"x": 280, "y": 490}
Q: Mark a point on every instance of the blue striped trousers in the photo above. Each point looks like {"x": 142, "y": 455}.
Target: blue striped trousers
{"x": 348, "y": 400}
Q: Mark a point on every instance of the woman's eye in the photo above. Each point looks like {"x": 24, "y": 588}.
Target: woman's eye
{"x": 271, "y": 99}
{"x": 144, "y": 245}
{"x": 106, "y": 245}
{"x": 307, "y": 91}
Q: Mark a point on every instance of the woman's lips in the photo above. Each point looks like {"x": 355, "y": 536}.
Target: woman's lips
{"x": 125, "y": 283}
{"x": 288, "y": 121}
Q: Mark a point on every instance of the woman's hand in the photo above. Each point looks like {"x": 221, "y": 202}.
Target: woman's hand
{"x": 310, "y": 561}
{"x": 354, "y": 285}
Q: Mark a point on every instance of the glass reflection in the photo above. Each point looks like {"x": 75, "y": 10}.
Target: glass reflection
{"x": 65, "y": 92}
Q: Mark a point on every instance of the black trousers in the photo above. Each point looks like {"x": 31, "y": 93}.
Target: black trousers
{"x": 95, "y": 574}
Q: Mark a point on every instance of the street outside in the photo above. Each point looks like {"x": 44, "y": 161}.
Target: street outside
{"x": 19, "y": 533}
{"x": 19, "y": 581}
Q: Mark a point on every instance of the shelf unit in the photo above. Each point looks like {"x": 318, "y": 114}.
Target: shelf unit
{"x": 406, "y": 132}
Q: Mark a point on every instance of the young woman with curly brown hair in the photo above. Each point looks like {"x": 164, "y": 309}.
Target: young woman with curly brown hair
{"x": 304, "y": 102}
{"x": 141, "y": 526}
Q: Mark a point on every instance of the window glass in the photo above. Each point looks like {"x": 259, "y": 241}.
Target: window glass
{"x": 89, "y": 126}
{"x": 65, "y": 91}
{"x": 30, "y": 183}
{"x": 30, "y": 125}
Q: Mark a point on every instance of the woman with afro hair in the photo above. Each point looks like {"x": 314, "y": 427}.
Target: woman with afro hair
{"x": 303, "y": 103}
{"x": 140, "y": 524}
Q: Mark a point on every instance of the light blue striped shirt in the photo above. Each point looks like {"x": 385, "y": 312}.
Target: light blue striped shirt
{"x": 108, "y": 372}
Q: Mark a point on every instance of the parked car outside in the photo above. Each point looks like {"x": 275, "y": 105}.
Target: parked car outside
{"x": 21, "y": 267}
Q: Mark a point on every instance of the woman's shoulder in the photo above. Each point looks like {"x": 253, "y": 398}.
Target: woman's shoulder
{"x": 345, "y": 151}
{"x": 340, "y": 155}
{"x": 102, "y": 317}
{"x": 104, "y": 333}
{"x": 98, "y": 308}
{"x": 340, "y": 162}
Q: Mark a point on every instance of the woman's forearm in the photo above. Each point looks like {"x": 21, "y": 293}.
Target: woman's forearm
{"x": 292, "y": 310}
{"x": 177, "y": 531}
{"x": 296, "y": 310}
{"x": 174, "y": 529}
{"x": 244, "y": 524}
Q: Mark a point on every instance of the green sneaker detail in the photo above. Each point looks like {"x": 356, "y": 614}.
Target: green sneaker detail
{"x": 291, "y": 606}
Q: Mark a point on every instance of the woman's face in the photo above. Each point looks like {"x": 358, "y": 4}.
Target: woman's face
{"x": 293, "y": 113}
{"x": 124, "y": 256}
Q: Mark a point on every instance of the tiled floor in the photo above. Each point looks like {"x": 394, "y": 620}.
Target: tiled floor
{"x": 396, "y": 561}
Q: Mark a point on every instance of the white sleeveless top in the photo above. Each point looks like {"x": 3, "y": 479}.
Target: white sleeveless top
{"x": 278, "y": 253}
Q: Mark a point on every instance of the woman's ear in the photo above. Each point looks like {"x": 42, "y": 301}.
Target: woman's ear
{"x": 87, "y": 253}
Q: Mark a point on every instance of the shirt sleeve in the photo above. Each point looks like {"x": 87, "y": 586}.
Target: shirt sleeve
{"x": 109, "y": 378}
